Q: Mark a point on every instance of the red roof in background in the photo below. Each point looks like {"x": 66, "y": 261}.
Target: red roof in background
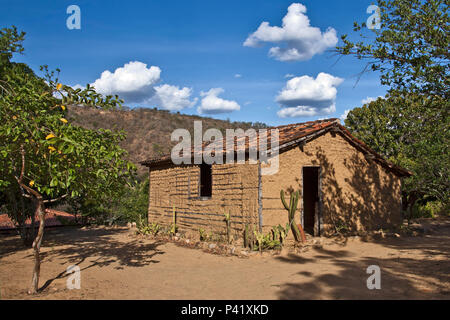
{"x": 51, "y": 219}
{"x": 290, "y": 135}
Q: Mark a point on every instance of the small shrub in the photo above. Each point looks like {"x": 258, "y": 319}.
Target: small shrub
{"x": 203, "y": 234}
{"x": 431, "y": 209}
{"x": 154, "y": 228}
{"x": 280, "y": 233}
{"x": 341, "y": 227}
{"x": 266, "y": 241}
{"x": 146, "y": 229}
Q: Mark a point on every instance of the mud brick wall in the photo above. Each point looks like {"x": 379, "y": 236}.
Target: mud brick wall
{"x": 355, "y": 192}
{"x": 234, "y": 190}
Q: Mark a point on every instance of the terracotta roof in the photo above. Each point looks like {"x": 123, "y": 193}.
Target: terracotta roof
{"x": 292, "y": 135}
{"x": 51, "y": 219}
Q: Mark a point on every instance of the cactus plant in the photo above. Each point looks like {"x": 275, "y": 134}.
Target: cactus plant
{"x": 259, "y": 238}
{"x": 297, "y": 230}
{"x": 246, "y": 236}
{"x": 252, "y": 239}
{"x": 283, "y": 232}
{"x": 266, "y": 241}
{"x": 275, "y": 233}
{"x": 174, "y": 227}
{"x": 228, "y": 222}
{"x": 203, "y": 234}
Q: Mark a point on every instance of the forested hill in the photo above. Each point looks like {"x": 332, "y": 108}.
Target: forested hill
{"x": 148, "y": 129}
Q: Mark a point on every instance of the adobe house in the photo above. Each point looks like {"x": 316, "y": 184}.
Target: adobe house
{"x": 342, "y": 183}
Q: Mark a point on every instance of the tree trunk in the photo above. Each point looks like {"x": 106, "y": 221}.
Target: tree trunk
{"x": 411, "y": 202}
{"x": 40, "y": 212}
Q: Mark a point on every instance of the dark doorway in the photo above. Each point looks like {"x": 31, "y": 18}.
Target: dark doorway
{"x": 205, "y": 180}
{"x": 311, "y": 200}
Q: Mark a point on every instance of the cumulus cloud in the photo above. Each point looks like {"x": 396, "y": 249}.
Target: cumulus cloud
{"x": 303, "y": 111}
{"x": 345, "y": 114}
{"x": 370, "y": 99}
{"x": 289, "y": 75}
{"x": 172, "y": 97}
{"x": 133, "y": 82}
{"x": 78, "y": 86}
{"x": 306, "y": 97}
{"x": 212, "y": 104}
{"x": 300, "y": 41}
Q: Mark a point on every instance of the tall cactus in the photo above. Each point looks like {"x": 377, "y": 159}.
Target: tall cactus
{"x": 246, "y": 244}
{"x": 174, "y": 227}
{"x": 296, "y": 230}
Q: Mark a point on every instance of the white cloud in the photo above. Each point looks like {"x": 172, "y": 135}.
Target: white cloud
{"x": 172, "y": 97}
{"x": 289, "y": 75}
{"x": 307, "y": 97}
{"x": 237, "y": 75}
{"x": 133, "y": 82}
{"x": 303, "y": 111}
{"x": 300, "y": 41}
{"x": 78, "y": 86}
{"x": 370, "y": 99}
{"x": 212, "y": 104}
{"x": 345, "y": 114}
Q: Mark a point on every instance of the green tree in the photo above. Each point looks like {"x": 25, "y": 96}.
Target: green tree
{"x": 43, "y": 157}
{"x": 129, "y": 203}
{"x": 413, "y": 133}
{"x": 411, "y": 48}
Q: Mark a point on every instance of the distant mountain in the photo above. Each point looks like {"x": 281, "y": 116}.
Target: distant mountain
{"x": 148, "y": 130}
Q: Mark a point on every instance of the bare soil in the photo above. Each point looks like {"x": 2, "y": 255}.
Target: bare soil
{"x": 116, "y": 264}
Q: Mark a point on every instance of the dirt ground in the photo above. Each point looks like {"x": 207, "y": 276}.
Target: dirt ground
{"x": 115, "y": 264}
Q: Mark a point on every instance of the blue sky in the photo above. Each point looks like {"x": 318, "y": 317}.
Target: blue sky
{"x": 200, "y": 62}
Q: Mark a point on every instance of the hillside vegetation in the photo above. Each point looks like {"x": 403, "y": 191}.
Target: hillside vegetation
{"x": 148, "y": 129}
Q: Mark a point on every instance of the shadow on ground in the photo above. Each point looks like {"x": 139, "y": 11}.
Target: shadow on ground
{"x": 397, "y": 273}
{"x": 98, "y": 247}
